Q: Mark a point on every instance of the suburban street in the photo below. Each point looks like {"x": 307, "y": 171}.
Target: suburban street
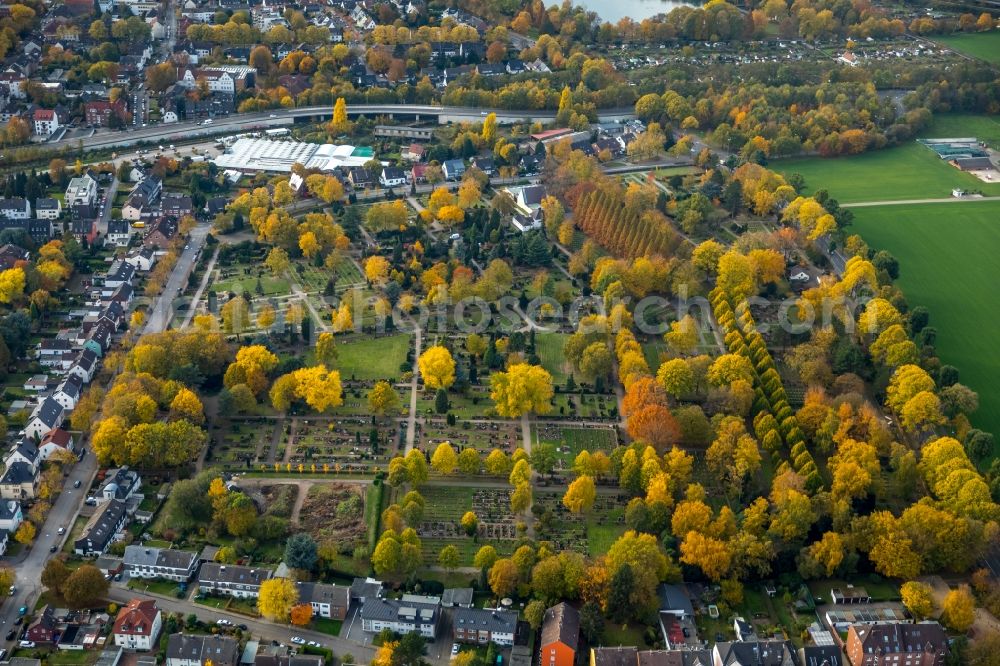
{"x": 162, "y": 310}
{"x": 29, "y": 564}
{"x": 267, "y": 631}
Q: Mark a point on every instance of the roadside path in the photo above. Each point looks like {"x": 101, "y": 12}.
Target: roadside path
{"x": 205, "y": 279}
{"x": 411, "y": 419}
{"x": 901, "y": 202}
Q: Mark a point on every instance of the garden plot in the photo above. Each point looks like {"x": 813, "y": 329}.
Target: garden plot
{"x": 589, "y": 406}
{"x": 345, "y": 440}
{"x": 335, "y": 512}
{"x": 441, "y": 524}
{"x": 569, "y": 442}
{"x": 484, "y": 436}
{"x": 590, "y": 534}
{"x": 242, "y": 442}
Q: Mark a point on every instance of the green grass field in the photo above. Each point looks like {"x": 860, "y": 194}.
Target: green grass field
{"x": 373, "y": 358}
{"x": 947, "y": 263}
{"x": 910, "y": 171}
{"x": 549, "y": 347}
{"x": 982, "y": 45}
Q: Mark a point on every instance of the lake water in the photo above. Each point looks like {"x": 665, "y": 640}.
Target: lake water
{"x": 612, "y": 10}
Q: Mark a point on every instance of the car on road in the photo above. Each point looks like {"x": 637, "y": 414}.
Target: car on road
{"x": 314, "y": 644}
{"x": 61, "y": 531}
{"x": 13, "y": 589}
{"x": 298, "y": 640}
{"x": 26, "y": 644}
{"x": 76, "y": 484}
{"x": 273, "y": 115}
{"x": 53, "y": 549}
{"x": 11, "y": 634}
{"x": 242, "y": 627}
{"x": 222, "y": 622}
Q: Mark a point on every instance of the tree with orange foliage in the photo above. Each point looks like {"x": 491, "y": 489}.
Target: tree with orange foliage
{"x": 642, "y": 392}
{"x": 301, "y": 614}
{"x": 655, "y": 424}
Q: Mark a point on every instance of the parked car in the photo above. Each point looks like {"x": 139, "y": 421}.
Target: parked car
{"x": 222, "y": 622}
{"x": 314, "y": 644}
{"x": 76, "y": 484}
{"x": 11, "y": 634}
{"x": 26, "y": 644}
{"x": 298, "y": 640}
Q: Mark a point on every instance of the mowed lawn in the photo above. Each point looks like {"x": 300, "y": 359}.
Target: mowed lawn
{"x": 373, "y": 358}
{"x": 982, "y": 45}
{"x": 910, "y": 171}
{"x": 947, "y": 262}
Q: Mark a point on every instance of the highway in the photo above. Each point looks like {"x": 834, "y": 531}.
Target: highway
{"x": 282, "y": 117}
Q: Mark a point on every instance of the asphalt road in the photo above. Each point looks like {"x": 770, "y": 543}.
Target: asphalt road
{"x": 283, "y": 117}
{"x": 109, "y": 201}
{"x": 162, "y": 311}
{"x": 28, "y": 565}
{"x": 260, "y": 629}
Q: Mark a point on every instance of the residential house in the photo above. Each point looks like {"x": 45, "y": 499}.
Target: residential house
{"x": 485, "y": 164}
{"x": 101, "y": 529}
{"x": 528, "y": 198}
{"x": 363, "y": 589}
{"x": 360, "y": 178}
{"x": 231, "y": 580}
{"x": 160, "y": 233}
{"x": 18, "y": 482}
{"x": 176, "y": 204}
{"x": 897, "y": 644}
{"x": 166, "y": 563}
{"x": 453, "y": 169}
{"x": 560, "y": 636}
{"x": 485, "y": 625}
{"x": 614, "y": 656}
{"x": 822, "y": 655}
{"x": 85, "y": 365}
{"x": 392, "y": 177}
{"x": 47, "y": 208}
{"x": 120, "y": 273}
{"x": 68, "y": 393}
{"x": 755, "y": 653}
{"x": 99, "y": 338}
{"x": 188, "y": 650}
{"x": 744, "y": 630}
{"x": 400, "y": 617}
{"x": 46, "y": 122}
{"x": 413, "y": 153}
{"x": 11, "y": 516}
{"x": 137, "y": 625}
{"x": 55, "y": 441}
{"x": 82, "y": 190}
{"x": 47, "y": 416}
{"x": 119, "y": 231}
{"x": 25, "y": 452}
{"x": 136, "y": 206}
{"x": 15, "y": 208}
{"x": 121, "y": 484}
{"x": 43, "y": 629}
{"x": 329, "y": 601}
{"x": 460, "y": 597}
{"x": 142, "y": 259}
{"x": 99, "y": 113}
{"x": 405, "y": 132}
{"x": 11, "y": 255}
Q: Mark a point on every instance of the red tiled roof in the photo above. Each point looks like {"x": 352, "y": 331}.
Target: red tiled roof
{"x": 136, "y": 618}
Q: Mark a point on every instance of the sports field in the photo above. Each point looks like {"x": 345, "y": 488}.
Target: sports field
{"x": 947, "y": 262}
{"x": 982, "y": 45}
{"x": 905, "y": 172}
